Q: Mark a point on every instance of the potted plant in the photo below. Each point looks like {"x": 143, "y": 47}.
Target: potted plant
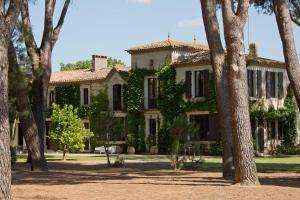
{"x": 130, "y": 143}
{"x": 151, "y": 142}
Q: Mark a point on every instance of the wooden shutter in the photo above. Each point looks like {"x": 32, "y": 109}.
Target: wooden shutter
{"x": 280, "y": 85}
{"x": 259, "y": 83}
{"x": 205, "y": 83}
{"x": 250, "y": 82}
{"x": 188, "y": 84}
{"x": 213, "y": 127}
{"x": 268, "y": 84}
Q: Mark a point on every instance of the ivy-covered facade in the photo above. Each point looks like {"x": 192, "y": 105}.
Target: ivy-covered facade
{"x": 170, "y": 78}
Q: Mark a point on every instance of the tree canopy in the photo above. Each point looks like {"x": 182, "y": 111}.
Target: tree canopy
{"x": 87, "y": 64}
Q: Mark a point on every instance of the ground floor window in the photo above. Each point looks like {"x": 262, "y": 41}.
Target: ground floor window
{"x": 201, "y": 124}
{"x": 271, "y": 129}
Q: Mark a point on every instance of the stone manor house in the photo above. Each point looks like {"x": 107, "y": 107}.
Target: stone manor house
{"x": 267, "y": 80}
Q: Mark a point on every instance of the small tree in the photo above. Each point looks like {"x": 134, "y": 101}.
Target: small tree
{"x": 68, "y": 131}
{"x": 180, "y": 129}
{"x": 103, "y": 122}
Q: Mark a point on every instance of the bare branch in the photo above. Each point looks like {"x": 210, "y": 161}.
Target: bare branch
{"x": 30, "y": 43}
{"x": 12, "y": 15}
{"x": 60, "y": 21}
{"x": 227, "y": 10}
{"x": 48, "y": 24}
{"x": 242, "y": 10}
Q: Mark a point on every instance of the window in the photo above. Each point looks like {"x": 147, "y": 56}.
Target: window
{"x": 259, "y": 83}
{"x": 117, "y": 97}
{"x": 201, "y": 123}
{"x": 86, "y": 96}
{"x": 281, "y": 130}
{"x": 201, "y": 83}
{"x": 270, "y": 85}
{"x": 254, "y": 83}
{"x": 151, "y": 64}
{"x": 51, "y": 97}
{"x": 152, "y": 93}
{"x": 188, "y": 84}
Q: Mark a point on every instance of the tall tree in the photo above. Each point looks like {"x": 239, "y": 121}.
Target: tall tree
{"x": 217, "y": 53}
{"x": 41, "y": 63}
{"x": 234, "y": 20}
{"x": 20, "y": 91}
{"x": 283, "y": 18}
{"x": 8, "y": 19}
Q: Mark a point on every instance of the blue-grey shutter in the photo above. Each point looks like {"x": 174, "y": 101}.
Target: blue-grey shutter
{"x": 268, "y": 84}
{"x": 259, "y": 83}
{"x": 280, "y": 85}
{"x": 188, "y": 84}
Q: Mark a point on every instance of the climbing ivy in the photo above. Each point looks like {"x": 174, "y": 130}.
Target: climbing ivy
{"x": 133, "y": 94}
{"x": 286, "y": 115}
{"x": 67, "y": 95}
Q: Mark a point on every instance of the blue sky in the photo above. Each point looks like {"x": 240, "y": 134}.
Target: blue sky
{"x": 109, "y": 27}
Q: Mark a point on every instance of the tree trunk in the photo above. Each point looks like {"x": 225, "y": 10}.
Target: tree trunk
{"x": 5, "y": 163}
{"x": 283, "y": 19}
{"x": 220, "y": 76}
{"x": 26, "y": 118}
{"x": 245, "y": 167}
{"x": 39, "y": 101}
{"x": 107, "y": 155}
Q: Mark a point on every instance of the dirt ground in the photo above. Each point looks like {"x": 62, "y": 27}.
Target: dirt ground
{"x": 86, "y": 180}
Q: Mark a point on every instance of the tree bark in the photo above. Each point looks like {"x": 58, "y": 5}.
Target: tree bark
{"x": 283, "y": 19}
{"x": 41, "y": 63}
{"x": 220, "y": 76}
{"x": 234, "y": 22}
{"x": 8, "y": 21}
{"x": 5, "y": 164}
{"x": 27, "y": 121}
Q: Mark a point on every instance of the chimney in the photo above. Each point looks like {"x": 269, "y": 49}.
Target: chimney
{"x": 252, "y": 50}
{"x": 99, "y": 62}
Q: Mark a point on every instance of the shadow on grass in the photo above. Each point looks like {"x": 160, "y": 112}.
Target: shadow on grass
{"x": 153, "y": 173}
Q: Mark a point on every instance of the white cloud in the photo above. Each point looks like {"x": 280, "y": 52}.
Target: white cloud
{"x": 190, "y": 23}
{"x": 141, "y": 1}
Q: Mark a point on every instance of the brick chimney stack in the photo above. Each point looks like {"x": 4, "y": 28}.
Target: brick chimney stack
{"x": 98, "y": 62}
{"x": 252, "y": 50}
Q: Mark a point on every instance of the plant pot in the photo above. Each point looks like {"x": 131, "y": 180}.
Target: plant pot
{"x": 130, "y": 150}
{"x": 153, "y": 150}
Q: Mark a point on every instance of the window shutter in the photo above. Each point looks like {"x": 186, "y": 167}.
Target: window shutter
{"x": 259, "y": 83}
{"x": 188, "y": 84}
{"x": 213, "y": 127}
{"x": 280, "y": 85}
{"x": 268, "y": 84}
{"x": 249, "y": 80}
{"x": 205, "y": 84}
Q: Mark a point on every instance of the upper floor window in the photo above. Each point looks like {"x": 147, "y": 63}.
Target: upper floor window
{"x": 254, "y": 83}
{"x": 117, "y": 97}
{"x": 85, "y": 96}
{"x": 151, "y": 64}
{"x": 201, "y": 83}
{"x": 51, "y": 98}
{"x": 274, "y": 84}
{"x": 152, "y": 93}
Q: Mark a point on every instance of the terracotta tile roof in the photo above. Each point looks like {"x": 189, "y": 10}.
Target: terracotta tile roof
{"x": 168, "y": 44}
{"x": 203, "y": 58}
{"x": 75, "y": 76}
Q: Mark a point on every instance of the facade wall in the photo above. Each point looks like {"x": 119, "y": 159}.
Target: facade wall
{"x": 142, "y": 60}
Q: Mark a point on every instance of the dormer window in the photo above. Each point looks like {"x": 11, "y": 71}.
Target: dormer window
{"x": 151, "y": 64}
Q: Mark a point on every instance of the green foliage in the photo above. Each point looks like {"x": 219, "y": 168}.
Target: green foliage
{"x": 67, "y": 95}
{"x": 171, "y": 94}
{"x": 105, "y": 126}
{"x": 87, "y": 64}
{"x": 134, "y": 101}
{"x": 67, "y": 129}
{"x": 207, "y": 104}
{"x": 287, "y": 115}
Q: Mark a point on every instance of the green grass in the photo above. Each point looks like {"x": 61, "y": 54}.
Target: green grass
{"x": 23, "y": 158}
{"x": 291, "y": 163}
{"x": 272, "y": 164}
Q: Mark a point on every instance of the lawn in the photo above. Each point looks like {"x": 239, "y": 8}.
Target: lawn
{"x": 287, "y": 163}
